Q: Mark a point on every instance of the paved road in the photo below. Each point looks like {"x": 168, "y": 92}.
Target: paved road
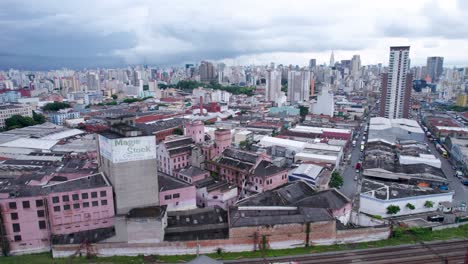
{"x": 436, "y": 252}
{"x": 461, "y": 191}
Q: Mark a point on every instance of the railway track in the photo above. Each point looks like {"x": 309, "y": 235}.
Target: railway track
{"x": 439, "y": 252}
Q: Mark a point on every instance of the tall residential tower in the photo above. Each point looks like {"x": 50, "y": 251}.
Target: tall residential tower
{"x": 396, "y": 85}
{"x": 435, "y": 67}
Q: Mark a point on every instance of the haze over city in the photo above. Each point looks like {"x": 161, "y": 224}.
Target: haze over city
{"x": 51, "y": 34}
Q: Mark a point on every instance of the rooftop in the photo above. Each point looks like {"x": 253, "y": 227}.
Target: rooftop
{"x": 273, "y": 215}
{"x": 381, "y": 190}
{"x": 152, "y": 211}
{"x": 167, "y": 182}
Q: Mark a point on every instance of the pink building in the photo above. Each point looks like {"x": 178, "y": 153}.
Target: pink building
{"x": 34, "y": 217}
{"x": 251, "y": 172}
{"x": 211, "y": 192}
{"x": 196, "y": 130}
{"x": 176, "y": 194}
{"x": 192, "y": 174}
{"x": 174, "y": 154}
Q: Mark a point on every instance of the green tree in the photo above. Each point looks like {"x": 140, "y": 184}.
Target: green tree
{"x": 410, "y": 206}
{"x": 393, "y": 209}
{"x": 178, "y": 131}
{"x": 303, "y": 110}
{"x": 55, "y": 106}
{"x": 38, "y": 118}
{"x": 243, "y": 144}
{"x": 429, "y": 204}
{"x": 18, "y": 121}
{"x": 112, "y": 103}
{"x": 336, "y": 180}
{"x": 114, "y": 96}
{"x": 284, "y": 88}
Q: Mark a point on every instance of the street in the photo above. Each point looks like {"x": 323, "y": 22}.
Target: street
{"x": 349, "y": 171}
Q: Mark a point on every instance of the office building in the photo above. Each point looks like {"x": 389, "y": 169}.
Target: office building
{"x": 355, "y": 64}
{"x": 93, "y": 82}
{"x": 396, "y": 85}
{"x": 312, "y": 63}
{"x": 273, "y": 85}
{"x": 128, "y": 159}
{"x": 207, "y": 72}
{"x": 299, "y": 86}
{"x": 435, "y": 67}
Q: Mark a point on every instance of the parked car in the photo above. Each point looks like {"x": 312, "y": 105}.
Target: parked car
{"x": 355, "y": 177}
{"x": 465, "y": 182}
{"x": 458, "y": 174}
{"x": 435, "y": 218}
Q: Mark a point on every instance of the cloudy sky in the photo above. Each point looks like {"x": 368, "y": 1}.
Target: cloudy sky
{"x": 92, "y": 33}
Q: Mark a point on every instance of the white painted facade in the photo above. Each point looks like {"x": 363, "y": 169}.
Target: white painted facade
{"x": 373, "y": 206}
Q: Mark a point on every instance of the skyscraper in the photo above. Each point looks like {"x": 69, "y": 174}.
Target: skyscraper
{"x": 207, "y": 72}
{"x": 435, "y": 67}
{"x": 355, "y": 64}
{"x": 312, "y": 63}
{"x": 332, "y": 59}
{"x": 273, "y": 85}
{"x": 396, "y": 85}
{"x": 298, "y": 86}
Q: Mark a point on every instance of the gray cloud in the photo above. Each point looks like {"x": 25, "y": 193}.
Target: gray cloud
{"x": 172, "y": 32}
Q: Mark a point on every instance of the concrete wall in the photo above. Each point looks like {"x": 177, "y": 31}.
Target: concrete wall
{"x": 242, "y": 239}
{"x": 135, "y": 183}
{"x": 373, "y": 206}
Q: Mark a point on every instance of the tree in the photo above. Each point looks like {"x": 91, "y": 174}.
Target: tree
{"x": 393, "y": 209}
{"x": 114, "y": 96}
{"x": 303, "y": 110}
{"x": 336, "y": 180}
{"x": 428, "y": 204}
{"x": 18, "y": 121}
{"x": 243, "y": 144}
{"x": 410, "y": 206}
{"x": 284, "y": 88}
{"x": 38, "y": 118}
{"x": 178, "y": 131}
{"x": 55, "y": 106}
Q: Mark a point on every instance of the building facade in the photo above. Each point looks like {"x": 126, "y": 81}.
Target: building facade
{"x": 9, "y": 110}
{"x": 299, "y": 86}
{"x": 435, "y": 68}
{"x": 396, "y": 85}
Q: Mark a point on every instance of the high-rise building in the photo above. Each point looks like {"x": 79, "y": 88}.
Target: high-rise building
{"x": 435, "y": 67}
{"x": 273, "y": 85}
{"x": 128, "y": 159}
{"x": 207, "y": 72}
{"x": 461, "y": 100}
{"x": 396, "y": 85}
{"x": 221, "y": 67}
{"x": 355, "y": 64}
{"x": 332, "y": 59}
{"x": 312, "y": 63}
{"x": 298, "y": 86}
{"x": 93, "y": 82}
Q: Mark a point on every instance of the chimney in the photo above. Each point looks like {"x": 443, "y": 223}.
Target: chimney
{"x": 201, "y": 105}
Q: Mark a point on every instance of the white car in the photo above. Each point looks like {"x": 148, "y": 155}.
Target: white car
{"x": 355, "y": 178}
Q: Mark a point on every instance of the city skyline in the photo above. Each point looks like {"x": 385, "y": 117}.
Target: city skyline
{"x": 47, "y": 35}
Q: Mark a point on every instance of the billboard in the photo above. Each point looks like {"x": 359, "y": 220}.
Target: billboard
{"x": 128, "y": 149}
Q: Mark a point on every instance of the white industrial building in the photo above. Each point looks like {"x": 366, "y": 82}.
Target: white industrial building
{"x": 376, "y": 197}
{"x": 391, "y": 130}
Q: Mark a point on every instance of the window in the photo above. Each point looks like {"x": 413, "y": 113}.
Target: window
{"x": 84, "y": 196}
{"x": 103, "y": 202}
{"x": 65, "y": 198}
{"x": 75, "y": 197}
{"x": 167, "y": 197}
{"x": 39, "y": 203}
{"x": 94, "y": 195}
{"x": 56, "y": 208}
{"x": 55, "y": 199}
{"x": 12, "y": 205}
{"x": 17, "y": 238}
{"x": 42, "y": 224}
{"x": 41, "y": 213}
{"x": 26, "y": 204}
{"x": 95, "y": 203}
{"x": 175, "y": 195}
{"x": 76, "y": 206}
{"x": 103, "y": 194}
{"x": 16, "y": 228}
{"x": 85, "y": 204}
{"x": 14, "y": 216}
{"x": 66, "y": 207}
